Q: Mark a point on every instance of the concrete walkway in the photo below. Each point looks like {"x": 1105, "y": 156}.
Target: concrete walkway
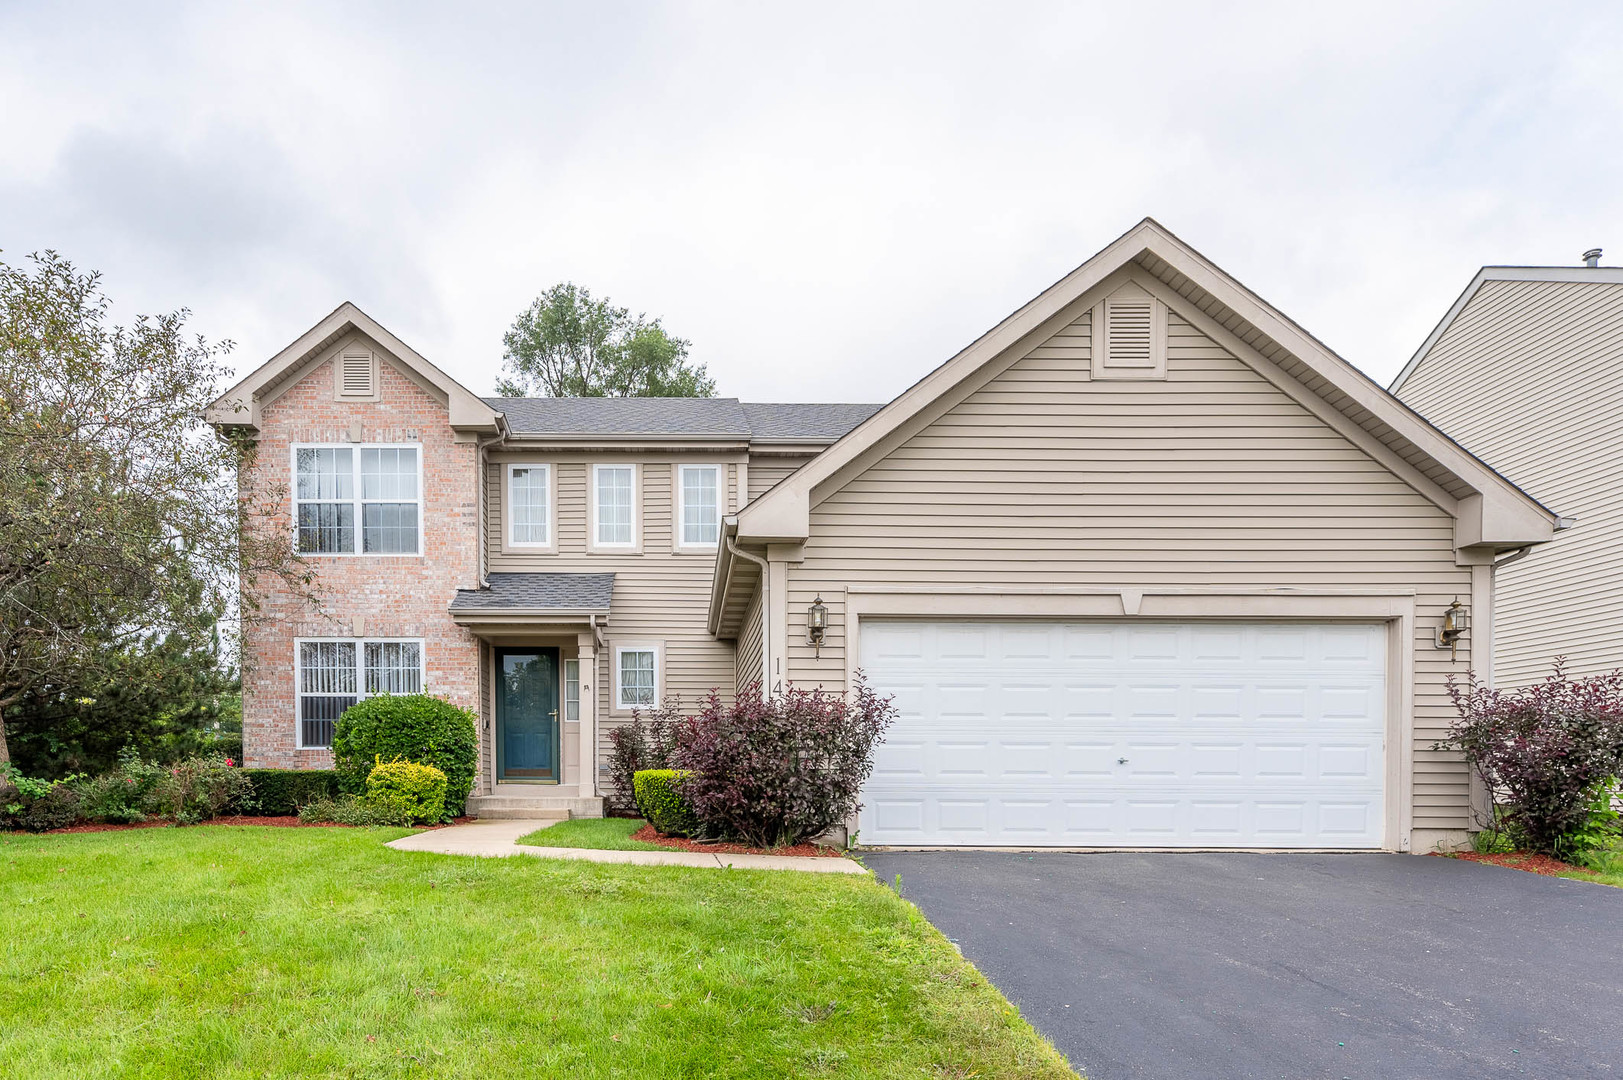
{"x": 499, "y": 839}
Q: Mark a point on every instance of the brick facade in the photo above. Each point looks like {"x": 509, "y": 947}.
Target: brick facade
{"x": 362, "y": 596}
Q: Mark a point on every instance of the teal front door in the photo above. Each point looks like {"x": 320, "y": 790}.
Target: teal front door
{"x": 527, "y": 714}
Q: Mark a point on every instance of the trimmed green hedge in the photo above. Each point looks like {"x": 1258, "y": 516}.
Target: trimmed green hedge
{"x": 659, "y": 797}
{"x": 280, "y": 792}
{"x": 420, "y": 728}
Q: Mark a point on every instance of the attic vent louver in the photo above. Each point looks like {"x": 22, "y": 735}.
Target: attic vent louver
{"x": 1129, "y": 336}
{"x": 355, "y": 374}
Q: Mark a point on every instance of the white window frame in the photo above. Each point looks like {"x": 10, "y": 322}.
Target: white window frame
{"x": 592, "y": 542}
{"x": 510, "y": 541}
{"x": 356, "y": 500}
{"x": 620, "y": 703}
{"x": 360, "y": 674}
{"x": 679, "y": 521}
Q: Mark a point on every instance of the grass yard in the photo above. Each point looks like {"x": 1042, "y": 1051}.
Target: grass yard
{"x": 611, "y": 833}
{"x": 1608, "y": 870}
{"x": 261, "y": 952}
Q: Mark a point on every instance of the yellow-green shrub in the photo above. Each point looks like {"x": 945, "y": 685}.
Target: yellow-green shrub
{"x": 416, "y": 791}
{"x": 659, "y": 797}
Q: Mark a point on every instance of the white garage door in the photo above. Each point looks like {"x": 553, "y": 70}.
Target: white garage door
{"x": 1128, "y": 734}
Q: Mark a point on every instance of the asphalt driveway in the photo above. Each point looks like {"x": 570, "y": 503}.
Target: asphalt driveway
{"x": 1368, "y": 967}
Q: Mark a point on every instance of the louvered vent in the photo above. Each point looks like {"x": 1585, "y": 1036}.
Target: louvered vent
{"x": 1129, "y": 338}
{"x": 1128, "y": 329}
{"x": 355, "y": 374}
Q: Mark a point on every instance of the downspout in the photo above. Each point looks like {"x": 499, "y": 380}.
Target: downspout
{"x": 766, "y": 612}
{"x": 481, "y": 489}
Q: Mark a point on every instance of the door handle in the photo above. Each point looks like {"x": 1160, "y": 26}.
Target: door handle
{"x": 553, "y": 714}
{"x": 1121, "y": 761}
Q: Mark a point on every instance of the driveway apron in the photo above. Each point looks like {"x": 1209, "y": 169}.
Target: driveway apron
{"x": 1208, "y": 966}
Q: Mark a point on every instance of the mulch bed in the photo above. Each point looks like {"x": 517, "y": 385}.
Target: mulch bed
{"x": 237, "y": 819}
{"x": 1523, "y": 860}
{"x": 649, "y": 835}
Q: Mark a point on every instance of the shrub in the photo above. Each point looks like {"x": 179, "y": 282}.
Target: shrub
{"x": 659, "y": 797}
{"x": 197, "y": 789}
{"x": 350, "y": 810}
{"x": 417, "y": 727}
{"x": 280, "y": 792}
{"x": 113, "y": 798}
{"x": 36, "y": 805}
{"x": 782, "y": 770}
{"x": 416, "y": 791}
{"x": 637, "y": 746}
{"x": 1548, "y": 751}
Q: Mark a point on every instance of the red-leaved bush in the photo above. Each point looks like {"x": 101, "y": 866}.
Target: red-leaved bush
{"x": 782, "y": 770}
{"x": 1544, "y": 750}
{"x": 641, "y": 744}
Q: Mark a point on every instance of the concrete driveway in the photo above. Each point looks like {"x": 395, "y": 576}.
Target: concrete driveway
{"x": 1368, "y": 967}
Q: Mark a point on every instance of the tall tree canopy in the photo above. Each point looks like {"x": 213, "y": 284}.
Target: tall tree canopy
{"x": 568, "y": 343}
{"x": 121, "y": 546}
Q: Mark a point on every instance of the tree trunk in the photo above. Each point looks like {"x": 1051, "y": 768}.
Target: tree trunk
{"x": 5, "y": 751}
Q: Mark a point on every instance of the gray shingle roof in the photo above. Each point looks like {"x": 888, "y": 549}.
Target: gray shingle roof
{"x": 717, "y": 417}
{"x": 624, "y": 416}
{"x": 541, "y": 592}
{"x": 798, "y": 420}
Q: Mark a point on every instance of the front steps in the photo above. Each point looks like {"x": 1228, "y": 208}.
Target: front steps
{"x": 508, "y": 806}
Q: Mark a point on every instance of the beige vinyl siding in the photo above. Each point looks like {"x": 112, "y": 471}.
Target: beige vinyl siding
{"x": 749, "y": 643}
{"x": 660, "y": 595}
{"x": 1044, "y": 477}
{"x": 767, "y": 469}
{"x": 1529, "y": 377}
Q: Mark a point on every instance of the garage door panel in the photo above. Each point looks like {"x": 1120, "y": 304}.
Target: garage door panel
{"x": 1096, "y": 735}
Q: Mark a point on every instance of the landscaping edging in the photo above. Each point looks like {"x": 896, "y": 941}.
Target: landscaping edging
{"x": 650, "y": 835}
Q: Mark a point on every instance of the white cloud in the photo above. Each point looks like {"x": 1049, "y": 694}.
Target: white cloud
{"x": 828, "y": 200}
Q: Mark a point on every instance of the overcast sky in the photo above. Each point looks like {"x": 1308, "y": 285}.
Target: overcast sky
{"x": 828, "y": 200}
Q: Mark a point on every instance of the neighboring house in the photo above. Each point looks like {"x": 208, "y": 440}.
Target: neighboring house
{"x": 1526, "y": 371}
{"x": 1144, "y": 565}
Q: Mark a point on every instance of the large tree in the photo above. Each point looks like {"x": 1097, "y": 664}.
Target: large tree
{"x": 568, "y": 343}
{"x": 121, "y": 530}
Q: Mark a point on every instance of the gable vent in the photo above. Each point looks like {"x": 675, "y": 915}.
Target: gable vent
{"x": 355, "y": 374}
{"x": 1129, "y": 338}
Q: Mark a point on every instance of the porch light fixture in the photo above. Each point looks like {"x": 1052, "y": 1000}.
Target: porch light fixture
{"x": 817, "y": 625}
{"x": 1455, "y": 622}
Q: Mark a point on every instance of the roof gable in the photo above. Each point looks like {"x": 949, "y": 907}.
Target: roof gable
{"x": 1488, "y": 509}
{"x": 1588, "y": 275}
{"x": 240, "y": 405}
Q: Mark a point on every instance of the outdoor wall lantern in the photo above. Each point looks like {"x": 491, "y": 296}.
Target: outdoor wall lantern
{"x": 817, "y": 625}
{"x": 1455, "y": 622}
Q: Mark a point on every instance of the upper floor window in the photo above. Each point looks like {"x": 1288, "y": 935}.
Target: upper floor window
{"x": 335, "y": 674}
{"x": 614, "y": 506}
{"x": 357, "y": 499}
{"x": 698, "y": 504}
{"x": 529, "y": 499}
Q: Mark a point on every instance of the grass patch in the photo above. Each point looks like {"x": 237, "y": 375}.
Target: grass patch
{"x": 1607, "y": 867}
{"x": 613, "y": 834}
{"x": 227, "y": 952}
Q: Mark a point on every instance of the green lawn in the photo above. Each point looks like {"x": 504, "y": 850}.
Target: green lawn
{"x": 255, "y": 952}
{"x": 611, "y": 833}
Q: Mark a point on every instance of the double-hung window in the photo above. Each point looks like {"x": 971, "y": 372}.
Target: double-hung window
{"x": 352, "y": 500}
{"x": 636, "y": 677}
{"x": 529, "y": 498}
{"x": 614, "y": 506}
{"x": 698, "y": 504}
{"x": 334, "y": 674}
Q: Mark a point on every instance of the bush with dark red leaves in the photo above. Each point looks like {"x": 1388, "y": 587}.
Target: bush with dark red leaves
{"x": 782, "y": 770}
{"x": 1546, "y": 752}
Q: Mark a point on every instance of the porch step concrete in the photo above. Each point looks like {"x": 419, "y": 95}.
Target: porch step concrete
{"x": 532, "y": 807}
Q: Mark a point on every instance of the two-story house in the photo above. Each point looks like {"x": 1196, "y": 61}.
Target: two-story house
{"x": 1144, "y": 565}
